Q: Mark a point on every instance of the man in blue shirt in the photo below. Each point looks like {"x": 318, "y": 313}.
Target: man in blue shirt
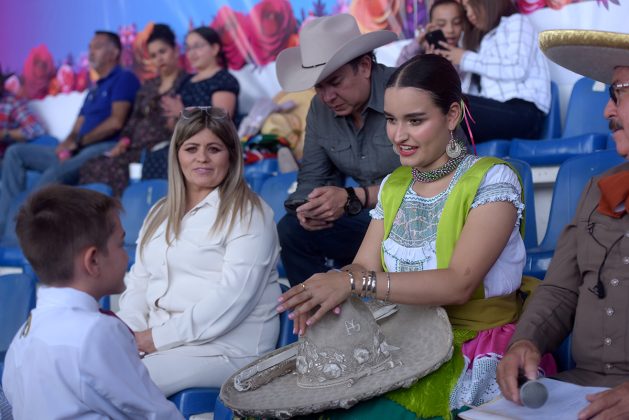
{"x": 104, "y": 113}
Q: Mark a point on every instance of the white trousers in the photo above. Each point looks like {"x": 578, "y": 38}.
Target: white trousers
{"x": 174, "y": 372}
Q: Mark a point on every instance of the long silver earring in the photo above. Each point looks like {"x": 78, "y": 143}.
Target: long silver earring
{"x": 454, "y": 149}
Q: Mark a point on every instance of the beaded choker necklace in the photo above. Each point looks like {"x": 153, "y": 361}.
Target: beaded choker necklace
{"x": 435, "y": 174}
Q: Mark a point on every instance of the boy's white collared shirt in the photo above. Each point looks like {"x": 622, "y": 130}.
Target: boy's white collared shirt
{"x": 75, "y": 362}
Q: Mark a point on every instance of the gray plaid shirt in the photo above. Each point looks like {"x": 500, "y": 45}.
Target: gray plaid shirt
{"x": 334, "y": 149}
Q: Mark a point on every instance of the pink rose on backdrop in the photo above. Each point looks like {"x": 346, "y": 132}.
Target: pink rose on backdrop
{"x": 127, "y": 35}
{"x": 557, "y": 4}
{"x": 82, "y": 73}
{"x": 529, "y": 6}
{"x": 233, "y": 28}
{"x": 274, "y": 25}
{"x": 374, "y": 15}
{"x": 13, "y": 85}
{"x": 39, "y": 69}
{"x": 65, "y": 78}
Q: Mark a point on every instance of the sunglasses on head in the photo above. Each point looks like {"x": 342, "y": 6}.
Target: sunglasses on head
{"x": 613, "y": 90}
{"x": 189, "y": 111}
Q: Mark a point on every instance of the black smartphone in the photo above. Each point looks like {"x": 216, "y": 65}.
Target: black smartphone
{"x": 293, "y": 204}
{"x": 433, "y": 38}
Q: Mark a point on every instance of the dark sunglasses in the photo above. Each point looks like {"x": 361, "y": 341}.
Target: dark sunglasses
{"x": 613, "y": 88}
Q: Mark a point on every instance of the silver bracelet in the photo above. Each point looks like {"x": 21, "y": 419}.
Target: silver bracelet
{"x": 363, "y": 289}
{"x": 352, "y": 283}
{"x": 386, "y": 296}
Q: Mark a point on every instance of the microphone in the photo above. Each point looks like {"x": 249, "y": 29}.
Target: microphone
{"x": 533, "y": 394}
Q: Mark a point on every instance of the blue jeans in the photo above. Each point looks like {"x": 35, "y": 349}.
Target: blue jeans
{"x": 21, "y": 157}
{"x": 305, "y": 253}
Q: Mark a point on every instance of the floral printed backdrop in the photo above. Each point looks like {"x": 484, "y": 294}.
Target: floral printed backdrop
{"x": 47, "y": 53}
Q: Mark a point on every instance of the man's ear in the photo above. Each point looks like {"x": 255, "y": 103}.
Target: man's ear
{"x": 364, "y": 66}
{"x": 90, "y": 261}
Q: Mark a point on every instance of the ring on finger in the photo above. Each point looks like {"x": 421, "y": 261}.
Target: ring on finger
{"x": 303, "y": 287}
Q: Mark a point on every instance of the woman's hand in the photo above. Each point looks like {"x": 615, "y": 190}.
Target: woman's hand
{"x": 171, "y": 106}
{"x": 453, "y": 54}
{"x": 320, "y": 294}
{"x": 144, "y": 341}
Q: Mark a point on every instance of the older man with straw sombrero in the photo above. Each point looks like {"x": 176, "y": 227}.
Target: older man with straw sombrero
{"x": 345, "y": 137}
{"x": 586, "y": 290}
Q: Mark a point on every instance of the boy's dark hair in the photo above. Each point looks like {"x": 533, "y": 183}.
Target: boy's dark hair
{"x": 113, "y": 38}
{"x": 57, "y": 223}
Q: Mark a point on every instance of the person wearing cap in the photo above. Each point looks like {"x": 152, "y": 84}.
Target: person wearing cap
{"x": 345, "y": 137}
{"x": 585, "y": 289}
{"x": 102, "y": 116}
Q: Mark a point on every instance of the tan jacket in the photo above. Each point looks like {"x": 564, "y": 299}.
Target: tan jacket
{"x": 564, "y": 301}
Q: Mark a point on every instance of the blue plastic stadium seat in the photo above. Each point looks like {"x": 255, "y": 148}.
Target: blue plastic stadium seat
{"x": 193, "y": 401}
{"x": 554, "y": 152}
{"x": 496, "y": 148}
{"x": 552, "y": 123}
{"x": 276, "y": 190}
{"x": 137, "y": 199}
{"x": 258, "y": 172}
{"x": 17, "y": 298}
{"x": 10, "y": 253}
{"x": 584, "y": 113}
{"x": 530, "y": 225}
{"x": 221, "y": 412}
{"x": 98, "y": 187}
{"x": 563, "y": 355}
{"x": 572, "y": 177}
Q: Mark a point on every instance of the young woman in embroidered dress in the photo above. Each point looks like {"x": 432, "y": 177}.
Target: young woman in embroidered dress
{"x": 445, "y": 231}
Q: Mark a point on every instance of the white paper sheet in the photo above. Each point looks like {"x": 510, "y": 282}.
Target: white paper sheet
{"x": 565, "y": 400}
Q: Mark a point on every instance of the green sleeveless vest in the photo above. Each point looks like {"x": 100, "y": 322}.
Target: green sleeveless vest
{"x": 478, "y": 313}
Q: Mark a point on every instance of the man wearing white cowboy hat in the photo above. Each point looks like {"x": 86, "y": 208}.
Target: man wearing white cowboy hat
{"x": 345, "y": 137}
{"x": 585, "y": 290}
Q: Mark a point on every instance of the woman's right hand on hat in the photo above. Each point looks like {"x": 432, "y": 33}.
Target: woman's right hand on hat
{"x": 312, "y": 299}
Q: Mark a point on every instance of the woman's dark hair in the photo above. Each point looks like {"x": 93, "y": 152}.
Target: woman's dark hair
{"x": 438, "y": 3}
{"x": 433, "y": 74}
{"x": 212, "y": 37}
{"x": 491, "y": 11}
{"x": 162, "y": 32}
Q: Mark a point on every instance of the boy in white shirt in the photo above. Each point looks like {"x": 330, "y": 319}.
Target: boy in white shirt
{"x": 70, "y": 360}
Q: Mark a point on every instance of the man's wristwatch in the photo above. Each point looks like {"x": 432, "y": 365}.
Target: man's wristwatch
{"x": 353, "y": 205}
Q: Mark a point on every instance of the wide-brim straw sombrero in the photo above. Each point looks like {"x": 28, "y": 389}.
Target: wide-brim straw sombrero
{"x": 325, "y": 44}
{"x": 420, "y": 338}
{"x": 594, "y": 54}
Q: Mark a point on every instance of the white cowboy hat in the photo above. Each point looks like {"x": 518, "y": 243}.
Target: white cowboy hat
{"x": 343, "y": 360}
{"x": 325, "y": 44}
{"x": 593, "y": 54}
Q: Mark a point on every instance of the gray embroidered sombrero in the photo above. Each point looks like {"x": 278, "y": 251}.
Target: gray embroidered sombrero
{"x": 593, "y": 54}
{"x": 343, "y": 360}
{"x": 325, "y": 44}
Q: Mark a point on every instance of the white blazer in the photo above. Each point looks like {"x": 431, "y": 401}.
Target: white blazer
{"x": 208, "y": 293}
